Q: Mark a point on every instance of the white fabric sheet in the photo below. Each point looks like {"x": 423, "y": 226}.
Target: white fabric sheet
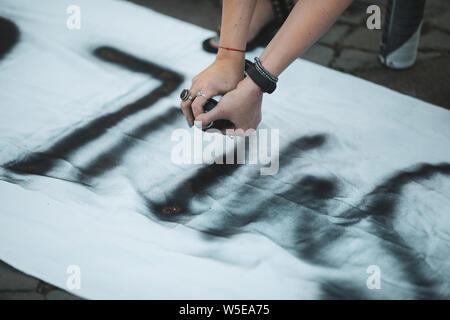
{"x": 363, "y": 180}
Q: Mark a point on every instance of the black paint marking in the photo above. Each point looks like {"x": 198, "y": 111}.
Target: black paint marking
{"x": 9, "y": 36}
{"x": 114, "y": 155}
{"x": 177, "y": 206}
{"x": 40, "y": 163}
{"x": 229, "y": 224}
{"x": 380, "y": 206}
{"x": 207, "y": 178}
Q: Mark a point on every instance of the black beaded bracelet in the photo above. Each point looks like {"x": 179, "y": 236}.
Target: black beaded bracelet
{"x": 263, "y": 70}
{"x": 261, "y": 77}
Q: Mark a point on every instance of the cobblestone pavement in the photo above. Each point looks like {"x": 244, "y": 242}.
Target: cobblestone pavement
{"x": 15, "y": 285}
{"x": 348, "y": 46}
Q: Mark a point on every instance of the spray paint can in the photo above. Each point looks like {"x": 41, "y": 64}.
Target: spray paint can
{"x": 220, "y": 124}
{"x": 401, "y": 34}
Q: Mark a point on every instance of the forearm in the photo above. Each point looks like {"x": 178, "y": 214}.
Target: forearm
{"x": 236, "y": 16}
{"x": 308, "y": 20}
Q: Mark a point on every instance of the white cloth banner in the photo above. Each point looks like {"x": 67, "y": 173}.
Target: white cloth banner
{"x": 360, "y": 207}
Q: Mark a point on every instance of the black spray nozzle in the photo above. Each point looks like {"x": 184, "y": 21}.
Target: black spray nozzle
{"x": 220, "y": 124}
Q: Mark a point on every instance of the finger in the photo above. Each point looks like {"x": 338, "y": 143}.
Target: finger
{"x": 191, "y": 95}
{"x": 186, "y": 107}
{"x": 229, "y": 131}
{"x": 200, "y": 101}
{"x": 218, "y": 112}
{"x": 244, "y": 128}
{"x": 188, "y": 114}
{"x": 244, "y": 131}
{"x": 239, "y": 132}
{"x": 187, "y": 103}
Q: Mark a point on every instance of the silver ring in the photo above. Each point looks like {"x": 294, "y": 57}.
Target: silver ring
{"x": 200, "y": 94}
{"x": 191, "y": 98}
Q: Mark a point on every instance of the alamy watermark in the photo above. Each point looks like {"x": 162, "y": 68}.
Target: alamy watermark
{"x": 73, "y": 21}
{"x": 374, "y": 20}
{"x": 374, "y": 280}
{"x": 198, "y": 147}
{"x": 73, "y": 281}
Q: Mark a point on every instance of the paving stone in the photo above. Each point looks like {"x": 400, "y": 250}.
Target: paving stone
{"x": 350, "y": 60}
{"x": 434, "y": 8}
{"x": 319, "y": 54}
{"x": 428, "y": 55}
{"x": 356, "y": 13}
{"x": 436, "y": 40}
{"x": 380, "y": 3}
{"x": 204, "y": 13}
{"x": 428, "y": 80}
{"x": 442, "y": 21}
{"x": 12, "y": 279}
{"x": 352, "y": 15}
{"x": 335, "y": 34}
{"x": 363, "y": 38}
{"x": 18, "y": 295}
{"x": 44, "y": 288}
{"x": 58, "y": 294}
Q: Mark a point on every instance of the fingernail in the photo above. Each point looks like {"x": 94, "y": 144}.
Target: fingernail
{"x": 189, "y": 123}
{"x": 198, "y": 124}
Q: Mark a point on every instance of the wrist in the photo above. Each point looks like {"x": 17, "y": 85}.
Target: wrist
{"x": 260, "y": 76}
{"x": 250, "y": 85}
{"x": 232, "y": 64}
{"x": 232, "y": 56}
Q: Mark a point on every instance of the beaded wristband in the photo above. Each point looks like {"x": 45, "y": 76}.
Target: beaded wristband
{"x": 259, "y": 78}
{"x": 263, "y": 71}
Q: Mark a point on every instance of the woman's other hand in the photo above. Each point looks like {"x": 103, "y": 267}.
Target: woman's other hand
{"x": 242, "y": 106}
{"x": 220, "y": 77}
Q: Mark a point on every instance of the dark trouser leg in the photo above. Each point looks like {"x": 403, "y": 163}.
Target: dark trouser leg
{"x": 282, "y": 8}
{"x": 401, "y": 33}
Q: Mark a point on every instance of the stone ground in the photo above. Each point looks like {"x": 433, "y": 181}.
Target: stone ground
{"x": 348, "y": 47}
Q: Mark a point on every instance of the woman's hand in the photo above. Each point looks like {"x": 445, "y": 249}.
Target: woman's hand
{"x": 219, "y": 78}
{"x": 242, "y": 106}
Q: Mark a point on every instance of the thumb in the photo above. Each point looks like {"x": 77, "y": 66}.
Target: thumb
{"x": 214, "y": 114}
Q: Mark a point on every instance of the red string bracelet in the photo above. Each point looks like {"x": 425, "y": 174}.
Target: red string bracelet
{"x": 231, "y": 49}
